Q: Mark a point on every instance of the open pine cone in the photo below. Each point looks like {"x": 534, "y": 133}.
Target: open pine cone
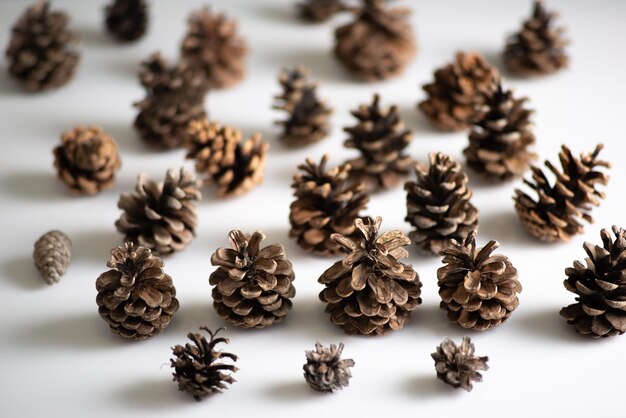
{"x": 325, "y": 370}
{"x": 457, "y": 365}
{"x": 127, "y": 20}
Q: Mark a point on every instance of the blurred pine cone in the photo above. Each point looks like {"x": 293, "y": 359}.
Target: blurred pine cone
{"x": 52, "y": 255}
{"x": 319, "y": 10}
{"x": 325, "y": 370}
{"x": 126, "y": 20}
{"x": 457, "y": 365}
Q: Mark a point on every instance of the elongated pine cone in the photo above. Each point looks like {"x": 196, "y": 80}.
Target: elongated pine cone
{"x": 199, "y": 368}
{"x": 253, "y": 286}
{"x": 439, "y": 204}
{"x": 52, "y": 255}
{"x": 370, "y": 291}
{"x": 136, "y": 297}
{"x": 325, "y": 370}
{"x": 555, "y": 214}
{"x": 160, "y": 216}
{"x": 478, "y": 290}
{"x": 319, "y": 10}
{"x": 127, "y": 20}
{"x": 327, "y": 202}
{"x": 39, "y": 53}
{"x": 457, "y": 365}
{"x": 456, "y": 95}
{"x": 600, "y": 308}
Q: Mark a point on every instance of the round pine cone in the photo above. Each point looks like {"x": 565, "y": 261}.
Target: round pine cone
{"x": 324, "y": 369}
{"x": 127, "y": 20}
{"x": 457, "y": 365}
{"x": 319, "y": 10}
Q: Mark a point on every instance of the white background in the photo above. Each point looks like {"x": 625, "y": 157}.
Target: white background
{"x": 58, "y": 357}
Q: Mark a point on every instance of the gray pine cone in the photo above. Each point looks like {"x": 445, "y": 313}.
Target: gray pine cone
{"x": 324, "y": 369}
{"x": 52, "y": 254}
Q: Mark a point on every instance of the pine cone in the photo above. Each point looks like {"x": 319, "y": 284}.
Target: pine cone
{"x": 39, "y": 52}
{"x": 539, "y": 48}
{"x": 87, "y": 159}
{"x": 456, "y": 96}
{"x": 600, "y": 308}
{"x": 326, "y": 202}
{"x": 160, "y": 216}
{"x": 223, "y": 159}
{"x": 381, "y": 138}
{"x": 136, "y": 297}
{"x": 370, "y": 292}
{"x": 126, "y": 20}
{"x": 213, "y": 46}
{"x": 52, "y": 255}
{"x": 477, "y": 289}
{"x": 498, "y": 142}
{"x": 555, "y": 214}
{"x": 199, "y": 369}
{"x": 439, "y": 204}
{"x": 307, "y": 115}
{"x": 324, "y": 369}
{"x": 252, "y": 285}
{"x": 378, "y": 44}
{"x": 457, "y": 365}
{"x": 319, "y": 10}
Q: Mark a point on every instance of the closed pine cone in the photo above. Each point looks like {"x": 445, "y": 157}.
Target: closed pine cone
{"x": 439, "y": 204}
{"x": 378, "y": 44}
{"x": 161, "y": 78}
{"x": 39, "y": 52}
{"x": 253, "y": 286}
{"x": 478, "y": 290}
{"x": 539, "y": 48}
{"x": 370, "y": 291}
{"x": 458, "y": 91}
{"x": 325, "y": 370}
{"x": 127, "y": 20}
{"x": 381, "y": 138}
{"x": 319, "y": 10}
{"x": 160, "y": 216}
{"x": 555, "y": 214}
{"x": 87, "y": 159}
{"x": 52, "y": 255}
{"x": 327, "y": 202}
{"x": 136, "y": 297}
{"x": 457, "y": 365}
{"x": 499, "y": 141}
{"x": 600, "y": 308}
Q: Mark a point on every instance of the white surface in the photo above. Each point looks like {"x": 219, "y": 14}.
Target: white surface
{"x": 58, "y": 356}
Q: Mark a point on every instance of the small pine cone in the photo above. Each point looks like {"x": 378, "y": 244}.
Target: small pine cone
{"x": 253, "y": 286}
{"x": 200, "y": 369}
{"x": 327, "y": 202}
{"x": 539, "y": 48}
{"x": 370, "y": 291}
{"x": 87, "y": 160}
{"x": 126, "y": 20}
{"x": 325, "y": 370}
{"x": 213, "y": 46}
{"x": 555, "y": 214}
{"x": 52, "y": 255}
{"x": 381, "y": 138}
{"x": 160, "y": 78}
{"x": 478, "y": 290}
{"x": 136, "y": 297}
{"x": 499, "y": 141}
{"x": 456, "y": 96}
{"x": 457, "y": 365}
{"x": 439, "y": 204}
{"x": 307, "y": 116}
{"x": 319, "y": 10}
{"x": 160, "y": 216}
{"x": 39, "y": 52}
{"x": 378, "y": 44}
{"x": 600, "y": 308}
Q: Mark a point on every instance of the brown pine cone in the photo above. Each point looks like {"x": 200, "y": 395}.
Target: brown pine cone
{"x": 126, "y": 20}
{"x": 381, "y": 138}
{"x": 253, "y": 286}
{"x": 555, "y": 214}
{"x": 136, "y": 297}
{"x": 478, "y": 290}
{"x": 52, "y": 255}
{"x": 326, "y": 202}
{"x": 370, "y": 291}
{"x": 160, "y": 216}
{"x": 39, "y": 52}
{"x": 87, "y": 159}
{"x": 457, "y": 365}
{"x": 325, "y": 370}
{"x": 161, "y": 78}
{"x": 458, "y": 92}
{"x": 319, "y": 10}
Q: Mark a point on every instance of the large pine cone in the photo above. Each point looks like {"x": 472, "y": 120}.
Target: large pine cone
{"x": 370, "y": 291}
{"x": 554, "y": 215}
{"x": 161, "y": 216}
{"x": 478, "y": 290}
{"x": 327, "y": 202}
{"x": 127, "y": 20}
{"x": 136, "y": 297}
{"x": 600, "y": 308}
{"x": 39, "y": 52}
{"x": 325, "y": 370}
{"x": 252, "y": 285}
{"x": 457, "y": 365}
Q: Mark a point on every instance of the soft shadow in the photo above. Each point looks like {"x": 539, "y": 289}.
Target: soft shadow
{"x": 95, "y": 245}
{"x": 10, "y": 87}
{"x": 192, "y": 315}
{"x": 94, "y": 36}
{"x": 278, "y": 12}
{"x": 21, "y": 272}
{"x": 546, "y": 323}
{"x": 42, "y": 185}
{"x": 419, "y": 124}
{"x": 430, "y": 318}
{"x": 429, "y": 387}
{"x": 294, "y": 391}
{"x": 506, "y": 227}
{"x": 308, "y": 317}
{"x": 153, "y": 394}
{"x": 324, "y": 67}
{"x": 127, "y": 138}
{"x": 494, "y": 57}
